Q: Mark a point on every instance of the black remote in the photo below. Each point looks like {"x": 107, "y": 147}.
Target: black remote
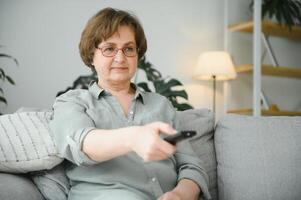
{"x": 173, "y": 139}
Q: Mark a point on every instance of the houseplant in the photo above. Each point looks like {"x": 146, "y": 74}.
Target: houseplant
{"x": 4, "y": 78}
{"x": 163, "y": 86}
{"x": 286, "y": 12}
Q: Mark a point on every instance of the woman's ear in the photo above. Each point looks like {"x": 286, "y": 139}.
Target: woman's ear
{"x": 92, "y": 62}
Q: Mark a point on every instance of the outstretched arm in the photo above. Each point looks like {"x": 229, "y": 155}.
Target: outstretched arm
{"x": 101, "y": 145}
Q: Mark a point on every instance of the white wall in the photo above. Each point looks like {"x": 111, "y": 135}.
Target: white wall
{"x": 44, "y": 35}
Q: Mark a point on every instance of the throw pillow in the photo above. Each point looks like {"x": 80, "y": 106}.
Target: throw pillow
{"x": 26, "y": 142}
{"x": 258, "y": 158}
{"x": 202, "y": 121}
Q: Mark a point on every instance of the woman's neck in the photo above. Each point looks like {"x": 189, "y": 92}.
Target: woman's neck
{"x": 117, "y": 89}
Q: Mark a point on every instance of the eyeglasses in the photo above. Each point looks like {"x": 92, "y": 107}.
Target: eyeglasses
{"x": 110, "y": 51}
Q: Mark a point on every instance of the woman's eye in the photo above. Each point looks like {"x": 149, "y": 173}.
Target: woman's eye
{"x": 108, "y": 49}
{"x": 129, "y": 49}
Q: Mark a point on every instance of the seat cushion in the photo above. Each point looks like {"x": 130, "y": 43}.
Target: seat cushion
{"x": 53, "y": 184}
{"x": 258, "y": 158}
{"x": 15, "y": 187}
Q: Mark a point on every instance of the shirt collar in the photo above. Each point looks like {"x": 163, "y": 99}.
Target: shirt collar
{"x": 97, "y": 91}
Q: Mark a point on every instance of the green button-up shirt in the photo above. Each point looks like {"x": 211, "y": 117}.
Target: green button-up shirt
{"x": 79, "y": 111}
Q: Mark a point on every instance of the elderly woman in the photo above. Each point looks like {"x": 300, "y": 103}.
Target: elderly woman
{"x": 112, "y": 132}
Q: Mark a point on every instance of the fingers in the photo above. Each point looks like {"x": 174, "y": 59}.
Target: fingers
{"x": 163, "y": 127}
{"x": 155, "y": 156}
{"x": 148, "y": 144}
{"x": 158, "y": 150}
{"x": 166, "y": 147}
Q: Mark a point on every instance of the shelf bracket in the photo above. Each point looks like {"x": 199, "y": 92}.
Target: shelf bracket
{"x": 269, "y": 49}
{"x": 264, "y": 101}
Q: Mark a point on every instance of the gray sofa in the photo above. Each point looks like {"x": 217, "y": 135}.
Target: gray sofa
{"x": 245, "y": 157}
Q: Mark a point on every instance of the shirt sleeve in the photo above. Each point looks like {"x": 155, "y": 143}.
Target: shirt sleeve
{"x": 189, "y": 165}
{"x": 70, "y": 125}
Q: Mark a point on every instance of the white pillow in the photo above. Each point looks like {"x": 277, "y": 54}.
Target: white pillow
{"x": 26, "y": 142}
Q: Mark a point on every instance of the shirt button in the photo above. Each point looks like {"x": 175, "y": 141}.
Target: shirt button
{"x": 153, "y": 179}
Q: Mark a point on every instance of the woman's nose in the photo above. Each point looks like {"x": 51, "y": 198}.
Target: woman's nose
{"x": 119, "y": 57}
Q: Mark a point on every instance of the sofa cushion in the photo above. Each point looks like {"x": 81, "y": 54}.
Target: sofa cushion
{"x": 202, "y": 121}
{"x": 15, "y": 187}
{"x": 258, "y": 157}
{"x": 26, "y": 142}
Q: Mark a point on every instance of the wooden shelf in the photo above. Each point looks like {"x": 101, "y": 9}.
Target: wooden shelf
{"x": 248, "y": 111}
{"x": 271, "y": 70}
{"x": 269, "y": 28}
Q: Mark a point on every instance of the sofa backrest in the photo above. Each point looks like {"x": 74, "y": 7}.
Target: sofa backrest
{"x": 258, "y": 158}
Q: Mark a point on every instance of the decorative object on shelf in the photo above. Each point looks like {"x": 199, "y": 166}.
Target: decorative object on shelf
{"x": 286, "y": 12}
{"x": 163, "y": 86}
{"x": 216, "y": 66}
{"x": 4, "y": 77}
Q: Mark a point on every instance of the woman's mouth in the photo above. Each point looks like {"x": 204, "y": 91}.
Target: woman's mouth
{"x": 119, "y": 69}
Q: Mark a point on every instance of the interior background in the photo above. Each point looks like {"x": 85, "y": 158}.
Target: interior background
{"x": 44, "y": 36}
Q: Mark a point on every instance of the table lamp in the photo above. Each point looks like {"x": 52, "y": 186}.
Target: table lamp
{"x": 216, "y": 66}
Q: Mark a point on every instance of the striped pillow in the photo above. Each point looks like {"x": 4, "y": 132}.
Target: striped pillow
{"x": 26, "y": 142}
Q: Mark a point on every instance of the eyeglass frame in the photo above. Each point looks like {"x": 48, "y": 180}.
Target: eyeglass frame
{"x": 116, "y": 51}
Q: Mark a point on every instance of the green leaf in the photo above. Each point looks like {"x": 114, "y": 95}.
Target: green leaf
{"x": 10, "y": 57}
{"x": 158, "y": 84}
{"x": 287, "y": 17}
{"x": 286, "y": 12}
{"x": 171, "y": 93}
{"x": 2, "y": 73}
{"x": 2, "y": 99}
{"x": 151, "y": 73}
{"x": 173, "y": 82}
{"x": 144, "y": 86}
{"x": 162, "y": 86}
{"x": 10, "y": 80}
{"x": 182, "y": 106}
{"x": 295, "y": 9}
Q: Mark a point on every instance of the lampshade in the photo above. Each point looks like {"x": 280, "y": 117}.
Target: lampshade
{"x": 215, "y": 63}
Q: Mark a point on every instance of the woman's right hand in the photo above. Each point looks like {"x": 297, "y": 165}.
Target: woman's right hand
{"x": 146, "y": 142}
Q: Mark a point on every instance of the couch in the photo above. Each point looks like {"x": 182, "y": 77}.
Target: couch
{"x": 245, "y": 157}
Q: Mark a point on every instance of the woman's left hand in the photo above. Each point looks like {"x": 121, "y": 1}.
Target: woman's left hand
{"x": 185, "y": 190}
{"x": 171, "y": 195}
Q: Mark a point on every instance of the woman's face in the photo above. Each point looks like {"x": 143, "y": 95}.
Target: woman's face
{"x": 119, "y": 68}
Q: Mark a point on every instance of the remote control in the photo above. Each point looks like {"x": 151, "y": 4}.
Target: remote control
{"x": 173, "y": 139}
